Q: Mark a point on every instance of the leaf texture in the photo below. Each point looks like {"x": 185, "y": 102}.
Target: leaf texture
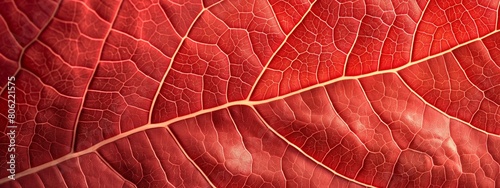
{"x": 255, "y": 93}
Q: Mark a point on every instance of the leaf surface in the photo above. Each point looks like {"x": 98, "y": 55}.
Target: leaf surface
{"x": 252, "y": 93}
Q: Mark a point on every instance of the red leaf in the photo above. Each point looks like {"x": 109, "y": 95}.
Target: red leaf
{"x": 250, "y": 93}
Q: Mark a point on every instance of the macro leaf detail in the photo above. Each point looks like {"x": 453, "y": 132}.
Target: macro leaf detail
{"x": 299, "y": 93}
